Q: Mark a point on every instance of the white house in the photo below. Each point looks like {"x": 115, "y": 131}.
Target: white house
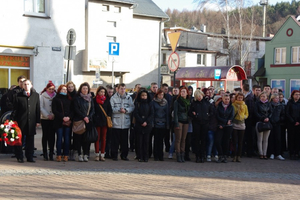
{"x": 34, "y": 39}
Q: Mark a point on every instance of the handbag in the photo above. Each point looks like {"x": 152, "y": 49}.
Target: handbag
{"x": 67, "y": 123}
{"x": 263, "y": 126}
{"x": 91, "y": 136}
{"x": 79, "y": 126}
{"x": 108, "y": 118}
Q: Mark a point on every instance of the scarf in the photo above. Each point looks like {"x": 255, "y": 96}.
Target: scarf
{"x": 100, "y": 99}
{"x": 225, "y": 105}
{"x": 264, "y": 101}
{"x": 86, "y": 97}
{"x": 240, "y": 108}
{"x": 50, "y": 94}
{"x": 274, "y": 104}
{"x": 186, "y": 103}
{"x": 161, "y": 102}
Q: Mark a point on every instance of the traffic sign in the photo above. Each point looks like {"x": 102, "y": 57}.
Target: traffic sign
{"x": 71, "y": 36}
{"x": 173, "y": 61}
{"x": 113, "y": 49}
{"x": 174, "y": 38}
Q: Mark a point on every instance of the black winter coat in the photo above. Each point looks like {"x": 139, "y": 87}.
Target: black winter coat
{"x": 277, "y": 114}
{"x": 262, "y": 110}
{"x": 223, "y": 115}
{"x": 249, "y": 101}
{"x": 202, "y": 109}
{"x": 61, "y": 107}
{"x": 81, "y": 108}
{"x": 99, "y": 117}
{"x": 143, "y": 112}
{"x": 27, "y": 111}
{"x": 293, "y": 111}
{"x": 213, "y": 120}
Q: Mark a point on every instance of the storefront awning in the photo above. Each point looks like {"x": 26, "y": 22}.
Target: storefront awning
{"x": 231, "y": 73}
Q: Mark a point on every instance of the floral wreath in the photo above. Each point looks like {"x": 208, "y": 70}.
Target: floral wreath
{"x": 11, "y": 133}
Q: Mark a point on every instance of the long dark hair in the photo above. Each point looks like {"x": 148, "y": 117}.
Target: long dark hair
{"x": 102, "y": 88}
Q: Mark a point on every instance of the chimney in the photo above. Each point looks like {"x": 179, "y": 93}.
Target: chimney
{"x": 203, "y": 28}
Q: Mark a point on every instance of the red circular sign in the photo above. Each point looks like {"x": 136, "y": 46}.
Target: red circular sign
{"x": 289, "y": 32}
{"x": 173, "y": 62}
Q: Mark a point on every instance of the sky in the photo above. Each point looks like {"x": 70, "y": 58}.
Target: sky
{"x": 189, "y": 5}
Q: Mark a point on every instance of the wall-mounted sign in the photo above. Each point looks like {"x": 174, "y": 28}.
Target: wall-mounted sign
{"x": 17, "y": 61}
{"x": 217, "y": 73}
{"x": 294, "y": 85}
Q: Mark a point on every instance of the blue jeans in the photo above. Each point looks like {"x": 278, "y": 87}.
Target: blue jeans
{"x": 210, "y": 144}
{"x": 172, "y": 148}
{"x": 63, "y": 132}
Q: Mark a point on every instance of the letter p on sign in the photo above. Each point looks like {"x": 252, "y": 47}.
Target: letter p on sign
{"x": 113, "y": 48}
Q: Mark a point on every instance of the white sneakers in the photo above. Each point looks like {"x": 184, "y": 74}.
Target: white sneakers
{"x": 170, "y": 156}
{"x": 216, "y": 158}
{"x": 80, "y": 158}
{"x": 208, "y": 158}
{"x": 272, "y": 157}
{"x": 280, "y": 157}
{"x": 85, "y": 158}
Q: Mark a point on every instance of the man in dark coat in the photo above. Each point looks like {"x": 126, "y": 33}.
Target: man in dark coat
{"x": 14, "y": 91}
{"x": 26, "y": 111}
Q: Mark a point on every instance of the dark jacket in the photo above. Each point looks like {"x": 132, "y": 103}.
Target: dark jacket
{"x": 249, "y": 101}
{"x": 27, "y": 111}
{"x": 161, "y": 115}
{"x": 262, "y": 110}
{"x": 143, "y": 112}
{"x": 202, "y": 109}
{"x": 10, "y": 97}
{"x": 277, "y": 114}
{"x": 61, "y": 107}
{"x": 223, "y": 115}
{"x": 99, "y": 117}
{"x": 213, "y": 120}
{"x": 81, "y": 109}
{"x": 293, "y": 111}
{"x": 180, "y": 112}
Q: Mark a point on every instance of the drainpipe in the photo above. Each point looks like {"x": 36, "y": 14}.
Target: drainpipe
{"x": 159, "y": 51}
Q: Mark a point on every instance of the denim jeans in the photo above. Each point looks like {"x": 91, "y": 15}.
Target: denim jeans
{"x": 172, "y": 148}
{"x": 210, "y": 144}
{"x": 63, "y": 132}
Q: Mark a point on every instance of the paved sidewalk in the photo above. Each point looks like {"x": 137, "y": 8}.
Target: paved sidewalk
{"x": 251, "y": 179}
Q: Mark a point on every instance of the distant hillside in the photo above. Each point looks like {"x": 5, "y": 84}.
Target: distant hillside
{"x": 214, "y": 21}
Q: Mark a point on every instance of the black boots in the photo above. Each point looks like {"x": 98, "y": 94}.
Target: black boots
{"x": 182, "y": 157}
{"x": 51, "y": 156}
{"x": 45, "y": 155}
{"x": 178, "y": 156}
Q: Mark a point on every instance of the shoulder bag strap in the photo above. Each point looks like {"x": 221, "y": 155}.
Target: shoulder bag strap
{"x": 103, "y": 110}
{"x": 89, "y": 109}
{"x": 62, "y": 107}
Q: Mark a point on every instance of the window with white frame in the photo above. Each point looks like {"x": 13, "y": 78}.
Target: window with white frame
{"x": 296, "y": 55}
{"x": 112, "y": 24}
{"x": 105, "y": 8}
{"x": 280, "y": 55}
{"x": 111, "y": 38}
{"x": 117, "y": 9}
{"x": 200, "y": 59}
{"x": 38, "y": 8}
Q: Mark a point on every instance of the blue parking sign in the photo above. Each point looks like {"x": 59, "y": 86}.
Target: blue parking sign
{"x": 113, "y": 48}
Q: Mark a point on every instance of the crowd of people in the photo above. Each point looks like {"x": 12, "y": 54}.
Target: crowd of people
{"x": 213, "y": 125}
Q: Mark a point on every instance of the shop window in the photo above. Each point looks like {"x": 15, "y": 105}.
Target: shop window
{"x": 36, "y": 8}
{"x": 280, "y": 56}
{"x": 295, "y": 55}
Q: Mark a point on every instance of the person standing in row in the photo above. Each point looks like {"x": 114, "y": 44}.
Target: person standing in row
{"x": 47, "y": 118}
{"x": 122, "y": 107}
{"x": 102, "y": 107}
{"x": 160, "y": 123}
{"x": 181, "y": 122}
{"x": 239, "y": 126}
{"x": 26, "y": 111}
{"x": 293, "y": 119}
{"x": 84, "y": 110}
{"x": 278, "y": 116}
{"x": 199, "y": 112}
{"x": 225, "y": 114}
{"x": 263, "y": 112}
{"x": 61, "y": 107}
{"x": 143, "y": 114}
{"x": 14, "y": 91}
